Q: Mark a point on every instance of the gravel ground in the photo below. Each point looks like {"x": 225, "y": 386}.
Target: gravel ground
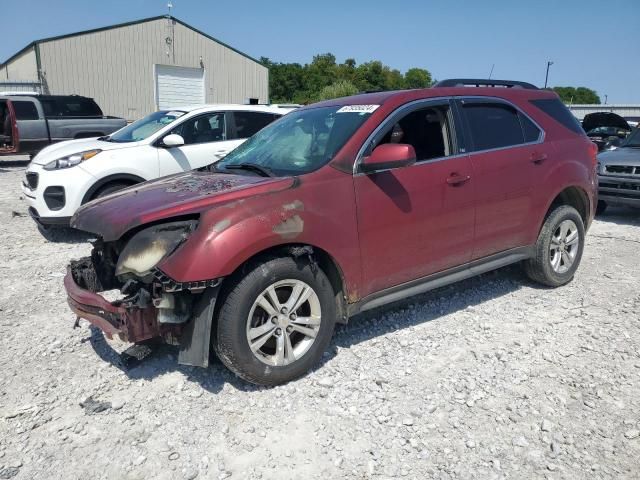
{"x": 491, "y": 378}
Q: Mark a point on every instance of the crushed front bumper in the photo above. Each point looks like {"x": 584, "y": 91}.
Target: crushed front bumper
{"x": 130, "y": 324}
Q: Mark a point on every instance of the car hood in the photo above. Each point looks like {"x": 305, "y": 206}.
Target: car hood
{"x": 604, "y": 119}
{"x": 620, "y": 156}
{"x": 69, "y": 147}
{"x": 183, "y": 194}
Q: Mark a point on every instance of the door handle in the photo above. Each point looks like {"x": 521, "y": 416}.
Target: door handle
{"x": 456, "y": 179}
{"x": 538, "y": 158}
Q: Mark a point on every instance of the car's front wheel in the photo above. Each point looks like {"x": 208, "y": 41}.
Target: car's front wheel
{"x": 276, "y": 321}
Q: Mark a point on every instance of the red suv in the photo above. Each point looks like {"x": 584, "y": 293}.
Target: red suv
{"x": 337, "y": 208}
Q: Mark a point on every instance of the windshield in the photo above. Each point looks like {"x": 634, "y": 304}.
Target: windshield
{"x": 633, "y": 140}
{"x": 301, "y": 141}
{"x": 145, "y": 127}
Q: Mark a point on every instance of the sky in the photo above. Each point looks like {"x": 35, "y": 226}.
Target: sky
{"x": 592, "y": 43}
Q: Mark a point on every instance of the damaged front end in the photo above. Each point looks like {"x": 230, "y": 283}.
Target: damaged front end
{"x": 148, "y": 304}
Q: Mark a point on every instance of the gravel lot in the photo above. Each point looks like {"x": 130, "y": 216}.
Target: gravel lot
{"x": 491, "y": 378}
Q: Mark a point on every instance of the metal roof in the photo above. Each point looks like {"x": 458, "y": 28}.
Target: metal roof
{"x": 126, "y": 24}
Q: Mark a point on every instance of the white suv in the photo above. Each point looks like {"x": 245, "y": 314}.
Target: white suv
{"x": 64, "y": 176}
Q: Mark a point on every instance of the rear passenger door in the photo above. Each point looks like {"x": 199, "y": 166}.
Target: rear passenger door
{"x": 507, "y": 156}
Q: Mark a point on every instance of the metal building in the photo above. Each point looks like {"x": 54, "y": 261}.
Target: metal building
{"x": 631, "y": 111}
{"x": 132, "y": 69}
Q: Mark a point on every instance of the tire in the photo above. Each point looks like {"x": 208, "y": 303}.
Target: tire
{"x": 601, "y": 207}
{"x": 109, "y": 188}
{"x": 550, "y": 266}
{"x": 240, "y": 317}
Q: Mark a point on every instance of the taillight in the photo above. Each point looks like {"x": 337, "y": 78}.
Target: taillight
{"x": 593, "y": 151}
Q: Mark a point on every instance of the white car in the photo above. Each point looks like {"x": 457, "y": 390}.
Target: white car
{"x": 64, "y": 176}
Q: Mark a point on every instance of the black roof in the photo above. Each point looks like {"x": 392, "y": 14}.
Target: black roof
{"x": 126, "y": 24}
{"x": 482, "y": 82}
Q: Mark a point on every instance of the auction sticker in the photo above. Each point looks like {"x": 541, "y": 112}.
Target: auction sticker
{"x": 358, "y": 109}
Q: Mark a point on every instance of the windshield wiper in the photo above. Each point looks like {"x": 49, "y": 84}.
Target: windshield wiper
{"x": 264, "y": 171}
{"x": 106, "y": 138}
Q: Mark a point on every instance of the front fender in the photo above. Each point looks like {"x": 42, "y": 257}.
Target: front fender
{"x": 231, "y": 234}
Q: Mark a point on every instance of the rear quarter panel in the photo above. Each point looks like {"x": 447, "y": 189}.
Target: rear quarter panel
{"x": 570, "y": 166}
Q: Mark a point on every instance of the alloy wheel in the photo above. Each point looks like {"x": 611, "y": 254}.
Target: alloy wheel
{"x": 283, "y": 322}
{"x": 565, "y": 243}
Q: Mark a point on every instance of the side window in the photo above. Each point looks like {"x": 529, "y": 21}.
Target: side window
{"x": 428, "y": 130}
{"x": 203, "y": 129}
{"x": 561, "y": 114}
{"x": 25, "y": 110}
{"x": 493, "y": 125}
{"x": 80, "y": 107}
{"x": 250, "y": 123}
{"x": 531, "y": 132}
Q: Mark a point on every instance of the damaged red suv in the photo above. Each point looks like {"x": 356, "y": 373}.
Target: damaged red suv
{"x": 337, "y": 208}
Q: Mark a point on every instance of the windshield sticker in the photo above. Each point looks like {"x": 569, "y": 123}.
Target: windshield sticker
{"x": 358, "y": 109}
{"x": 174, "y": 114}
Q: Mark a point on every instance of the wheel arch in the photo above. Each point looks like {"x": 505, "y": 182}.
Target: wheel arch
{"x": 115, "y": 178}
{"x": 574, "y": 196}
{"x": 317, "y": 256}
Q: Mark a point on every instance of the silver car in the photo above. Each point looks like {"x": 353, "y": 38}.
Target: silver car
{"x": 619, "y": 174}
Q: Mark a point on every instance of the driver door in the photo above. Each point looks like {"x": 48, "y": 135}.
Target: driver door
{"x": 418, "y": 220}
{"x": 205, "y": 141}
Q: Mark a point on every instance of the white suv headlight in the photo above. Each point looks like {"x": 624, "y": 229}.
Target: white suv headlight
{"x": 71, "y": 160}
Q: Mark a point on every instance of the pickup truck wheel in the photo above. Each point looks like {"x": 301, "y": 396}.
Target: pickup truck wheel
{"x": 559, "y": 247}
{"x": 109, "y": 188}
{"x": 601, "y": 207}
{"x": 276, "y": 321}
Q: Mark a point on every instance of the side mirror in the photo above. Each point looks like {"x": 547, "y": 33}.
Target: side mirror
{"x": 389, "y": 155}
{"x": 173, "y": 140}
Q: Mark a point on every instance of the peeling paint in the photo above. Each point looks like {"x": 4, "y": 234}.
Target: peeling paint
{"x": 222, "y": 225}
{"x": 295, "y": 205}
{"x": 289, "y": 228}
{"x": 205, "y": 185}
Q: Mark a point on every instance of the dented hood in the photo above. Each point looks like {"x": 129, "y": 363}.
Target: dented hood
{"x": 188, "y": 193}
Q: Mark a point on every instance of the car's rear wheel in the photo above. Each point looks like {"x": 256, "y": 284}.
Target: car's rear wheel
{"x": 559, "y": 248}
{"x": 601, "y": 207}
{"x": 276, "y": 321}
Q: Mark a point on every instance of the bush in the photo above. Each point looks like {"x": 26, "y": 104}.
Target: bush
{"x": 342, "y": 88}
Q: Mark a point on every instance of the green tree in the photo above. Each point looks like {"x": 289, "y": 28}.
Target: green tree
{"x": 341, "y": 88}
{"x": 293, "y": 82}
{"x": 580, "y": 95}
{"x": 417, "y": 78}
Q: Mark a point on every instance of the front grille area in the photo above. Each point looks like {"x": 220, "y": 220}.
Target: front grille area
{"x": 625, "y": 190}
{"x": 622, "y": 169}
{"x": 32, "y": 180}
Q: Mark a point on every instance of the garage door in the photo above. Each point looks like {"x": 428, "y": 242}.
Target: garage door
{"x": 178, "y": 86}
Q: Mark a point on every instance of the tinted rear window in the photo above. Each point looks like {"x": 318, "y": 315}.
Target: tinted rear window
{"x": 25, "y": 110}
{"x": 70, "y": 107}
{"x": 493, "y": 125}
{"x": 559, "y": 112}
{"x": 250, "y": 123}
{"x": 531, "y": 132}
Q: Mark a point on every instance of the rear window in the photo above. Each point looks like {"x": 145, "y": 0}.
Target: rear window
{"x": 70, "y": 107}
{"x": 25, "y": 110}
{"x": 493, "y": 125}
{"x": 559, "y": 112}
{"x": 250, "y": 123}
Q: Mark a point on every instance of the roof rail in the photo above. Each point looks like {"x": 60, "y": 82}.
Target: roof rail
{"x": 479, "y": 82}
